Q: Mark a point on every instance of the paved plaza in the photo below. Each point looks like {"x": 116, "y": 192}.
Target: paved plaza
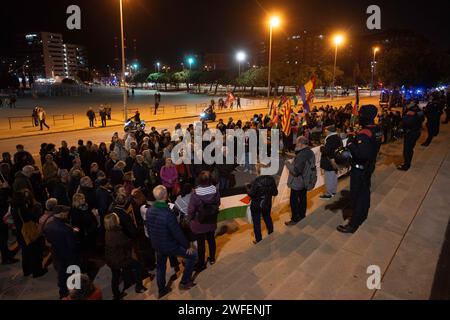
{"x": 403, "y": 236}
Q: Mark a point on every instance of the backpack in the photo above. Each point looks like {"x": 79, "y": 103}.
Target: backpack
{"x": 310, "y": 174}
{"x": 207, "y": 214}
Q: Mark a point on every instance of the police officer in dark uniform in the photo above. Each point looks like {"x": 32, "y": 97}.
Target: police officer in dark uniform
{"x": 412, "y": 126}
{"x": 364, "y": 149}
{"x": 447, "y": 107}
{"x": 433, "y": 114}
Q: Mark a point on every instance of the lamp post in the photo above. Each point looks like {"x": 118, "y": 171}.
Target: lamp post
{"x": 125, "y": 111}
{"x": 274, "y": 22}
{"x": 190, "y": 61}
{"x": 375, "y": 50}
{"x": 240, "y": 57}
{"x": 338, "y": 39}
{"x": 157, "y": 66}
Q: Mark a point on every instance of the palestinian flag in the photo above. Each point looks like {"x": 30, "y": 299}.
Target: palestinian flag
{"x": 233, "y": 207}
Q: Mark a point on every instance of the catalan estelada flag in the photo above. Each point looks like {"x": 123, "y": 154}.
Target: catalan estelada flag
{"x": 286, "y": 117}
{"x": 306, "y": 92}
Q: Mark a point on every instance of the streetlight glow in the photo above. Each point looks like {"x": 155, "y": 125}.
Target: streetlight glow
{"x": 241, "y": 56}
{"x": 338, "y": 39}
{"x": 274, "y": 21}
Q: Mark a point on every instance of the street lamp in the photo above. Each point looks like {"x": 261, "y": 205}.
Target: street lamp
{"x": 375, "y": 50}
{"x": 190, "y": 61}
{"x": 338, "y": 39}
{"x": 125, "y": 112}
{"x": 240, "y": 57}
{"x": 157, "y": 66}
{"x": 273, "y": 23}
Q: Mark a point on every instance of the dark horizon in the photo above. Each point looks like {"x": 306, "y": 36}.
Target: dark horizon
{"x": 168, "y": 30}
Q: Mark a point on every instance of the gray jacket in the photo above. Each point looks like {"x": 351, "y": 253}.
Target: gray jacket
{"x": 297, "y": 167}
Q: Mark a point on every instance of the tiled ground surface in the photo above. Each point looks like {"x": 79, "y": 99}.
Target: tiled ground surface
{"x": 403, "y": 236}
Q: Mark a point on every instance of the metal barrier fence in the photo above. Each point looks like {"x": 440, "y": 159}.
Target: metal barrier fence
{"x": 20, "y": 119}
{"x": 201, "y": 106}
{"x": 63, "y": 117}
{"x": 180, "y": 107}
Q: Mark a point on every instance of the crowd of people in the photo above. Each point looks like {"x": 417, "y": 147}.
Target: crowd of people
{"x": 127, "y": 204}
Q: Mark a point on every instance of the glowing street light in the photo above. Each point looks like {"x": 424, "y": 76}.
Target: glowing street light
{"x": 338, "y": 39}
{"x": 375, "y": 50}
{"x": 273, "y": 23}
{"x": 190, "y": 61}
{"x": 240, "y": 57}
{"x": 157, "y": 66}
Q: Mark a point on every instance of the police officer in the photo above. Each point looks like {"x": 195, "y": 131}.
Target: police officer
{"x": 412, "y": 126}
{"x": 447, "y": 107}
{"x": 433, "y": 114}
{"x": 364, "y": 149}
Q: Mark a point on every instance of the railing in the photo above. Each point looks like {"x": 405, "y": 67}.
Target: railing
{"x": 19, "y": 119}
{"x": 180, "y": 107}
{"x": 63, "y": 117}
{"x": 201, "y": 106}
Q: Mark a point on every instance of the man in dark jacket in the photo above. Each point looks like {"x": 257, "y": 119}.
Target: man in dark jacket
{"x": 22, "y": 179}
{"x": 91, "y": 116}
{"x": 412, "y": 127}
{"x": 327, "y": 162}
{"x": 168, "y": 240}
{"x": 298, "y": 197}
{"x": 433, "y": 115}
{"x": 261, "y": 192}
{"x": 22, "y": 158}
{"x": 104, "y": 198}
{"x": 62, "y": 238}
{"x": 139, "y": 172}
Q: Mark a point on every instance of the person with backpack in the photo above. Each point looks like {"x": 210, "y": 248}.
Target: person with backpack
{"x": 302, "y": 178}
{"x": 261, "y": 191}
{"x": 203, "y": 210}
{"x": 328, "y": 163}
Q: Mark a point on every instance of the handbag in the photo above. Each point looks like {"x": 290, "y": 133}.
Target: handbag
{"x": 9, "y": 220}
{"x": 30, "y": 231}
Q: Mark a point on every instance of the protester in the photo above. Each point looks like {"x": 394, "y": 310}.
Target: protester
{"x": 296, "y": 180}
{"x": 261, "y": 191}
{"x": 118, "y": 256}
{"x": 65, "y": 250}
{"x": 26, "y": 212}
{"x": 327, "y": 162}
{"x": 203, "y": 210}
{"x": 168, "y": 240}
{"x": 87, "y": 290}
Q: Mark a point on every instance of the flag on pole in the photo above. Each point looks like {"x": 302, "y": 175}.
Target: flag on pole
{"x": 272, "y": 109}
{"x": 306, "y": 92}
{"x": 286, "y": 118}
{"x": 356, "y": 105}
{"x": 230, "y": 99}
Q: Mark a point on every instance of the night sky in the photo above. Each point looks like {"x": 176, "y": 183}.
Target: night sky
{"x": 166, "y": 30}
